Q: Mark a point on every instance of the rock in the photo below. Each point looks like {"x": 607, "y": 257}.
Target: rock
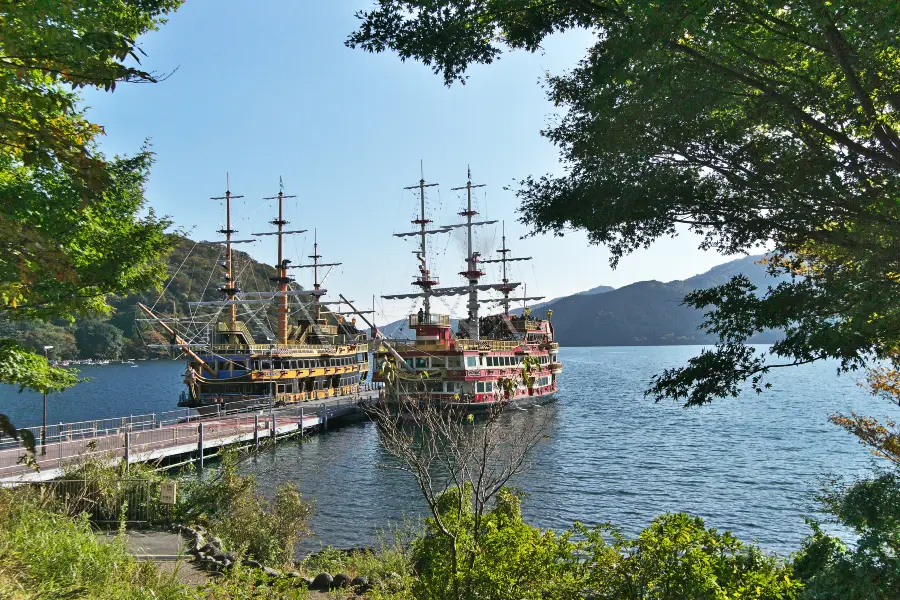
{"x": 216, "y": 542}
{"x": 230, "y": 556}
{"x": 293, "y": 574}
{"x": 208, "y": 563}
{"x": 340, "y": 581}
{"x": 322, "y": 582}
{"x": 208, "y": 548}
{"x": 305, "y": 582}
{"x": 360, "y": 581}
{"x": 218, "y": 555}
{"x": 226, "y": 563}
{"x": 252, "y": 563}
{"x": 271, "y": 572}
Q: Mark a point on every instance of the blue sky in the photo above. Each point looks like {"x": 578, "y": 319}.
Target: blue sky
{"x": 268, "y": 89}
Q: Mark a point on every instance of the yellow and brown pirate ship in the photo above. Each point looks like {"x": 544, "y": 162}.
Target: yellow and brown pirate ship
{"x": 233, "y": 356}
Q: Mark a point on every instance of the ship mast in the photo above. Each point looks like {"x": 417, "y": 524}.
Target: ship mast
{"x": 281, "y": 267}
{"x": 315, "y": 256}
{"x": 282, "y": 278}
{"x": 503, "y": 250}
{"x": 424, "y": 280}
{"x": 318, "y": 292}
{"x": 230, "y": 287}
{"x": 472, "y": 273}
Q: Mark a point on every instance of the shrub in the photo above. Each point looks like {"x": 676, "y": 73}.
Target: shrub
{"x": 675, "y": 558}
{"x": 388, "y": 566}
{"x": 229, "y": 506}
{"x": 44, "y": 554}
{"x": 678, "y": 557}
{"x": 871, "y": 568}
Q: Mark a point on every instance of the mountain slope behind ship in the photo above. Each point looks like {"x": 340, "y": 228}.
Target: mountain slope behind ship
{"x": 646, "y": 313}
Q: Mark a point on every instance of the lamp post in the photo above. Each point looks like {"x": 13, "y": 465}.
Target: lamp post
{"x": 44, "y": 421}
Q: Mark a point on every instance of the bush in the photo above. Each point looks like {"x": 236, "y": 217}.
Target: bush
{"x": 228, "y": 505}
{"x": 50, "y": 555}
{"x": 871, "y": 568}
{"x": 388, "y": 566}
{"x": 675, "y": 558}
{"x": 678, "y": 557}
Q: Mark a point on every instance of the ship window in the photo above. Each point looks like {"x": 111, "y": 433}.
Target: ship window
{"x": 450, "y": 386}
{"x": 489, "y": 386}
{"x": 438, "y": 362}
{"x": 280, "y": 388}
{"x": 471, "y": 361}
{"x": 454, "y": 362}
{"x": 479, "y": 387}
{"x": 409, "y": 362}
{"x": 421, "y": 363}
{"x": 266, "y": 364}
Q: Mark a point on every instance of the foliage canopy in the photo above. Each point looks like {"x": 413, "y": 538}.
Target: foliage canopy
{"x": 748, "y": 122}
{"x": 73, "y": 221}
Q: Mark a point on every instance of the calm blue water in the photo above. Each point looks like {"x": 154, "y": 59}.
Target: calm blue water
{"x": 748, "y": 465}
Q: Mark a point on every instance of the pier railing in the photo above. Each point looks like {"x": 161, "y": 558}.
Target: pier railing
{"x": 151, "y": 437}
{"x": 78, "y": 430}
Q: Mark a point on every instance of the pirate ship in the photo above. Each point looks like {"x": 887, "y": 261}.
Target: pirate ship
{"x": 490, "y": 359}
{"x": 234, "y": 357}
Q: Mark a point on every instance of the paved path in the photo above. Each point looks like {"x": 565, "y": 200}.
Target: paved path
{"x": 167, "y": 551}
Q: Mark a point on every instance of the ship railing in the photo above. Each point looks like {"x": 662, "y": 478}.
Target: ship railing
{"x": 406, "y": 345}
{"x": 360, "y": 346}
{"x": 430, "y": 319}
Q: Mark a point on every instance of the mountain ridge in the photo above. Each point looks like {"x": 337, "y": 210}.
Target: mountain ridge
{"x": 641, "y": 313}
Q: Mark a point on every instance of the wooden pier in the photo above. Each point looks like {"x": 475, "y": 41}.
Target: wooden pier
{"x": 190, "y": 437}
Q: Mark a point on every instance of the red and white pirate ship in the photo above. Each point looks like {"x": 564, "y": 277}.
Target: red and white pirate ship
{"x": 490, "y": 359}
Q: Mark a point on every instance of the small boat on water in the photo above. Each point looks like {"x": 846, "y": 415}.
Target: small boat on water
{"x": 494, "y": 359}
{"x": 235, "y": 359}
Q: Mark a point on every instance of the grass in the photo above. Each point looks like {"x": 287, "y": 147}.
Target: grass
{"x": 388, "y": 566}
{"x": 47, "y": 554}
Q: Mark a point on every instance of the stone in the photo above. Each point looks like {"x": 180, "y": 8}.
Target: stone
{"x": 305, "y": 582}
{"x": 322, "y": 582}
{"x": 293, "y": 574}
{"x": 208, "y": 548}
{"x": 340, "y": 581}
{"x": 226, "y": 563}
{"x": 216, "y": 542}
{"x": 360, "y": 581}
{"x": 230, "y": 556}
{"x": 271, "y": 572}
{"x": 252, "y": 563}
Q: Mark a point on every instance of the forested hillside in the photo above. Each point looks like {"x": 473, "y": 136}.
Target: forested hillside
{"x": 646, "y": 313}
{"x": 197, "y": 274}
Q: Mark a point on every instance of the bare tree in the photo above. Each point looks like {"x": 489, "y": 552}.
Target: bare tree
{"x": 453, "y": 450}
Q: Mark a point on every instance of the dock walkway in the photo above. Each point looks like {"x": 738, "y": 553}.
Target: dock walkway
{"x": 147, "y": 438}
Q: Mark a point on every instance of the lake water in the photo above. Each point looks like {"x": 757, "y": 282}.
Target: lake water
{"x": 748, "y": 465}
